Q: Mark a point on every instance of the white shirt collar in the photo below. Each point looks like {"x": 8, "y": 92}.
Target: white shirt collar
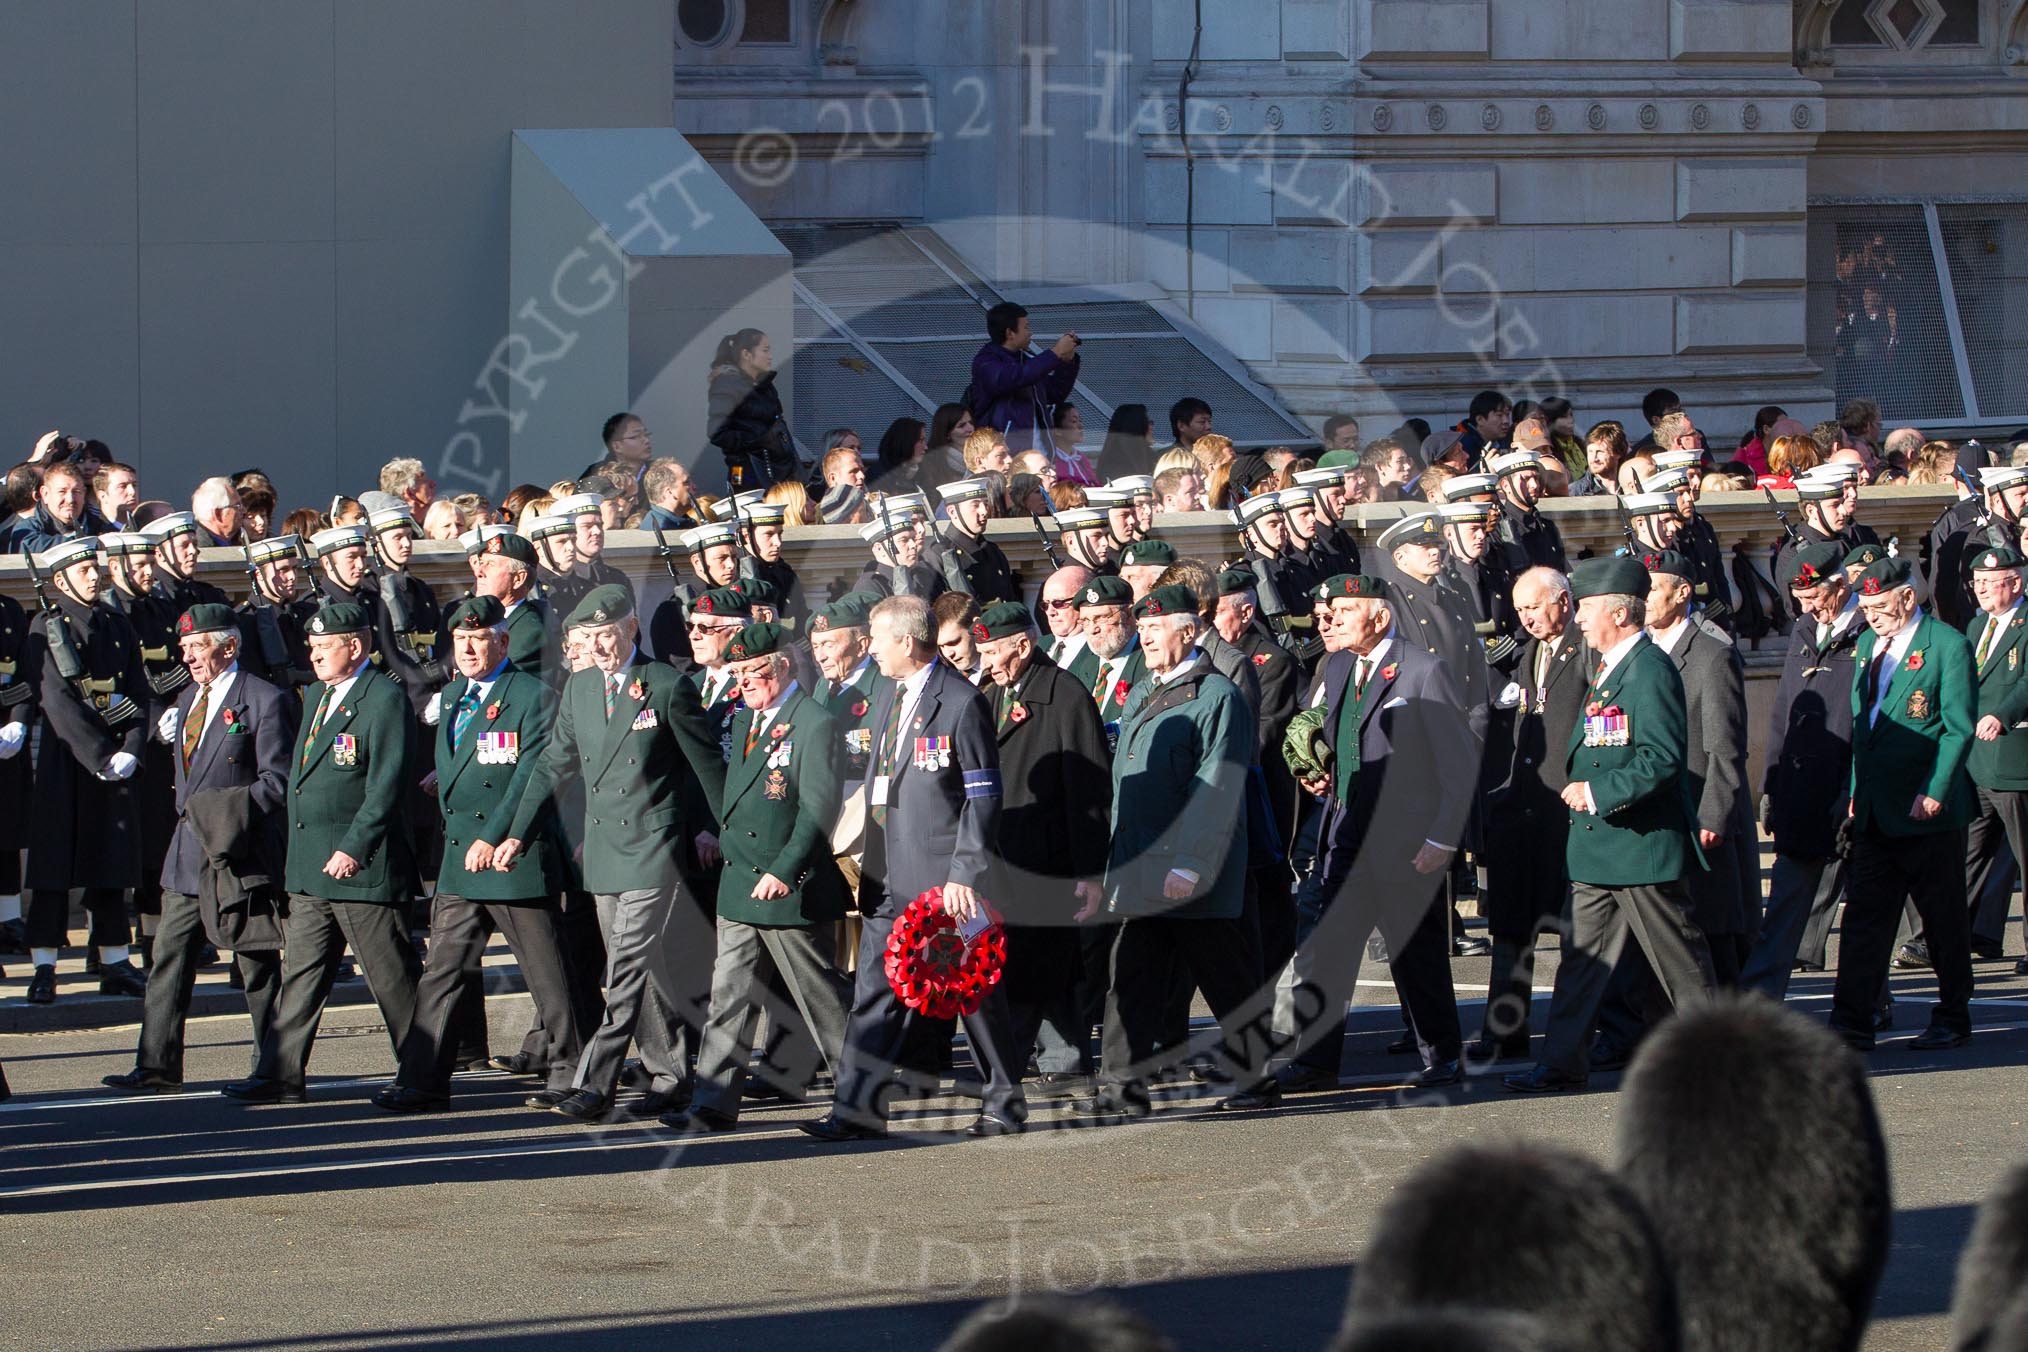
{"x": 1898, "y": 645}
{"x": 1612, "y": 655}
{"x": 343, "y": 686}
{"x": 1181, "y": 669}
{"x": 1667, "y": 639}
{"x": 1376, "y": 657}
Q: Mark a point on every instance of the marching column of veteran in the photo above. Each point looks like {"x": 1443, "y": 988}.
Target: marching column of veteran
{"x": 493, "y": 726}
{"x": 632, "y": 729}
{"x": 229, "y": 734}
{"x": 348, "y": 854}
{"x": 1914, "y": 719}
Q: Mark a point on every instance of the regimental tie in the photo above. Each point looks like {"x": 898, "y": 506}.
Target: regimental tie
{"x": 1986, "y": 641}
{"x": 193, "y": 724}
{"x": 753, "y": 732}
{"x": 888, "y": 743}
{"x": 461, "y": 717}
{"x": 1098, "y": 685}
{"x": 317, "y": 722}
{"x": 612, "y": 682}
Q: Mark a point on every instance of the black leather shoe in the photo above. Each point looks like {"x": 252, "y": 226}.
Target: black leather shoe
{"x": 262, "y": 1091}
{"x": 1296, "y": 1078}
{"x": 697, "y": 1117}
{"x": 1115, "y": 1103}
{"x": 1267, "y": 1094}
{"x": 2021, "y": 967}
{"x": 1883, "y": 1020}
{"x": 1438, "y": 1075}
{"x": 1059, "y": 1084}
{"x": 1939, "y": 1039}
{"x": 120, "y": 978}
{"x": 760, "y": 1090}
{"x": 1486, "y": 1049}
{"x": 987, "y": 1124}
{"x": 1608, "y": 1056}
{"x": 521, "y": 1063}
{"x": 1912, "y": 956}
{"x": 834, "y": 1128}
{"x": 1543, "y": 1080}
{"x": 1991, "y": 950}
{"x": 546, "y": 1098}
{"x": 138, "y": 1081}
{"x": 1470, "y": 946}
{"x": 586, "y": 1105}
{"x": 472, "y": 1065}
{"x": 658, "y": 1101}
{"x": 1404, "y": 1045}
{"x": 208, "y": 954}
{"x": 13, "y": 936}
{"x": 399, "y": 1098}
{"x": 42, "y": 986}
{"x": 92, "y": 961}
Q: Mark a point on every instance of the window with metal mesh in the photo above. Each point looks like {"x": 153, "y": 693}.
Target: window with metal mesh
{"x": 1986, "y": 246}
{"x": 1878, "y": 319}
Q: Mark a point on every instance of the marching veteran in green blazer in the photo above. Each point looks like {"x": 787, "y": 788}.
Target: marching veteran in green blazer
{"x": 1915, "y": 707}
{"x": 348, "y": 848}
{"x": 1998, "y": 763}
{"x": 780, "y": 889}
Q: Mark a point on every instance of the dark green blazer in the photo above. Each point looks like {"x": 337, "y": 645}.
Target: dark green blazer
{"x": 851, "y": 710}
{"x": 1642, "y": 833}
{"x": 1084, "y": 670}
{"x": 348, "y": 796}
{"x": 777, "y": 818}
{"x": 478, "y": 788}
{"x": 636, "y": 768}
{"x": 2003, "y": 692}
{"x": 1922, "y": 737}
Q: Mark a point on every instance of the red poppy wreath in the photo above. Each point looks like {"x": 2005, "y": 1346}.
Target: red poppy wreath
{"x": 932, "y": 969}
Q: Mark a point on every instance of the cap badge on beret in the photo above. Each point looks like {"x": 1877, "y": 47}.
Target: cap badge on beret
{"x": 1871, "y": 587}
{"x": 1151, "y": 606}
{"x": 184, "y": 626}
{"x": 704, "y": 604}
{"x": 979, "y": 633}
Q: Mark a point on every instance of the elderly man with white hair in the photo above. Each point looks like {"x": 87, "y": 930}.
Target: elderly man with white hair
{"x": 217, "y": 507}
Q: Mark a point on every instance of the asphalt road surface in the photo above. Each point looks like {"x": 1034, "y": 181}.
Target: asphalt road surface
{"x": 194, "y": 1221}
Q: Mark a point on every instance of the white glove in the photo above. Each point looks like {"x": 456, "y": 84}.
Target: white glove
{"x": 1510, "y": 697}
{"x": 435, "y": 711}
{"x": 11, "y": 738}
{"x": 166, "y": 727}
{"x": 122, "y": 765}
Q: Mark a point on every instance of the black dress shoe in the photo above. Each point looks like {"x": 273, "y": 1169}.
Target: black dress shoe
{"x": 472, "y": 1065}
{"x": 1297, "y": 1078}
{"x": 1403, "y": 1046}
{"x": 1115, "y": 1103}
{"x": 546, "y": 1098}
{"x": 13, "y": 936}
{"x": 1486, "y": 1049}
{"x": 521, "y": 1063}
{"x": 760, "y": 1090}
{"x": 1608, "y": 1056}
{"x": 987, "y": 1124}
{"x": 1440, "y": 1074}
{"x": 1470, "y": 946}
{"x": 1990, "y": 950}
{"x": 1543, "y": 1080}
{"x": 208, "y": 954}
{"x": 121, "y": 978}
{"x": 835, "y": 1128}
{"x": 138, "y": 1081}
{"x": 1939, "y": 1039}
{"x": 42, "y": 986}
{"x": 1267, "y": 1094}
{"x": 92, "y": 961}
{"x": 1912, "y": 956}
{"x": 399, "y": 1098}
{"x": 697, "y": 1117}
{"x": 585, "y": 1105}
{"x": 634, "y": 1075}
{"x": 1060, "y": 1084}
{"x": 234, "y": 978}
{"x": 257, "y": 1090}
{"x": 5, "y": 1092}
{"x": 658, "y": 1101}
{"x": 1883, "y": 1020}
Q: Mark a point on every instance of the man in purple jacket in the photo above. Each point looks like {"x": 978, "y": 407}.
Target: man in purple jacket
{"x": 1012, "y": 392}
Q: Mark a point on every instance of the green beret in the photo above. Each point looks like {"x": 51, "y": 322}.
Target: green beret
{"x": 1352, "y": 585}
{"x": 340, "y": 617}
{"x": 1002, "y": 619}
{"x": 1148, "y": 554}
{"x": 1174, "y": 599}
{"x": 608, "y": 604}
{"x": 1338, "y": 460}
{"x": 1884, "y": 576}
{"x": 756, "y": 640}
{"x": 510, "y": 546}
{"x": 2001, "y": 560}
{"x": 1609, "y": 575}
{"x": 758, "y": 591}
{"x": 1670, "y": 561}
{"x": 477, "y": 612}
{"x": 1237, "y": 579}
{"x": 1306, "y": 746}
{"x": 850, "y": 611}
{"x": 1106, "y": 590}
{"x": 729, "y": 602}
{"x": 1810, "y": 565}
{"x": 207, "y": 617}
{"x": 1864, "y": 556}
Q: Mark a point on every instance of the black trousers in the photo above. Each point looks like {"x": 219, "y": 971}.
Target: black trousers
{"x": 458, "y": 930}
{"x": 1421, "y": 968}
{"x": 584, "y": 959}
{"x": 49, "y": 917}
{"x": 318, "y": 932}
{"x": 1220, "y": 957}
{"x": 179, "y": 942}
{"x": 1928, "y": 869}
{"x": 1993, "y": 846}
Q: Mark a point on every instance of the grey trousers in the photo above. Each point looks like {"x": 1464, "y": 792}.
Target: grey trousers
{"x": 1802, "y": 896}
{"x": 172, "y": 977}
{"x": 1660, "y": 921}
{"x": 315, "y": 939}
{"x": 644, "y": 991}
{"x": 457, "y": 942}
{"x": 747, "y": 955}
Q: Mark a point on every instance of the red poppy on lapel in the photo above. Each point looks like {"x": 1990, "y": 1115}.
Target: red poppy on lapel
{"x": 1387, "y": 672}
{"x": 636, "y": 690}
{"x": 778, "y": 730}
{"x": 1260, "y": 659}
{"x": 1120, "y": 694}
{"x": 859, "y": 709}
{"x": 1018, "y": 714}
{"x": 1913, "y": 661}
{"x": 492, "y": 711}
{"x": 229, "y": 717}
{"x": 1592, "y": 709}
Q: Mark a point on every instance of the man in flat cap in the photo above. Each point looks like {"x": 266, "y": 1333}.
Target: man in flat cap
{"x": 83, "y": 662}
{"x": 1915, "y": 714}
{"x": 348, "y": 857}
{"x": 1632, "y": 820}
{"x": 230, "y": 734}
{"x": 780, "y": 892}
{"x": 641, "y": 823}
{"x": 493, "y": 726}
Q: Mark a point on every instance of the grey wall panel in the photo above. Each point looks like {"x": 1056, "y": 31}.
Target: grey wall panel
{"x": 238, "y": 369}
{"x": 67, "y": 353}
{"x": 236, "y": 120}
{"x": 66, "y": 176}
